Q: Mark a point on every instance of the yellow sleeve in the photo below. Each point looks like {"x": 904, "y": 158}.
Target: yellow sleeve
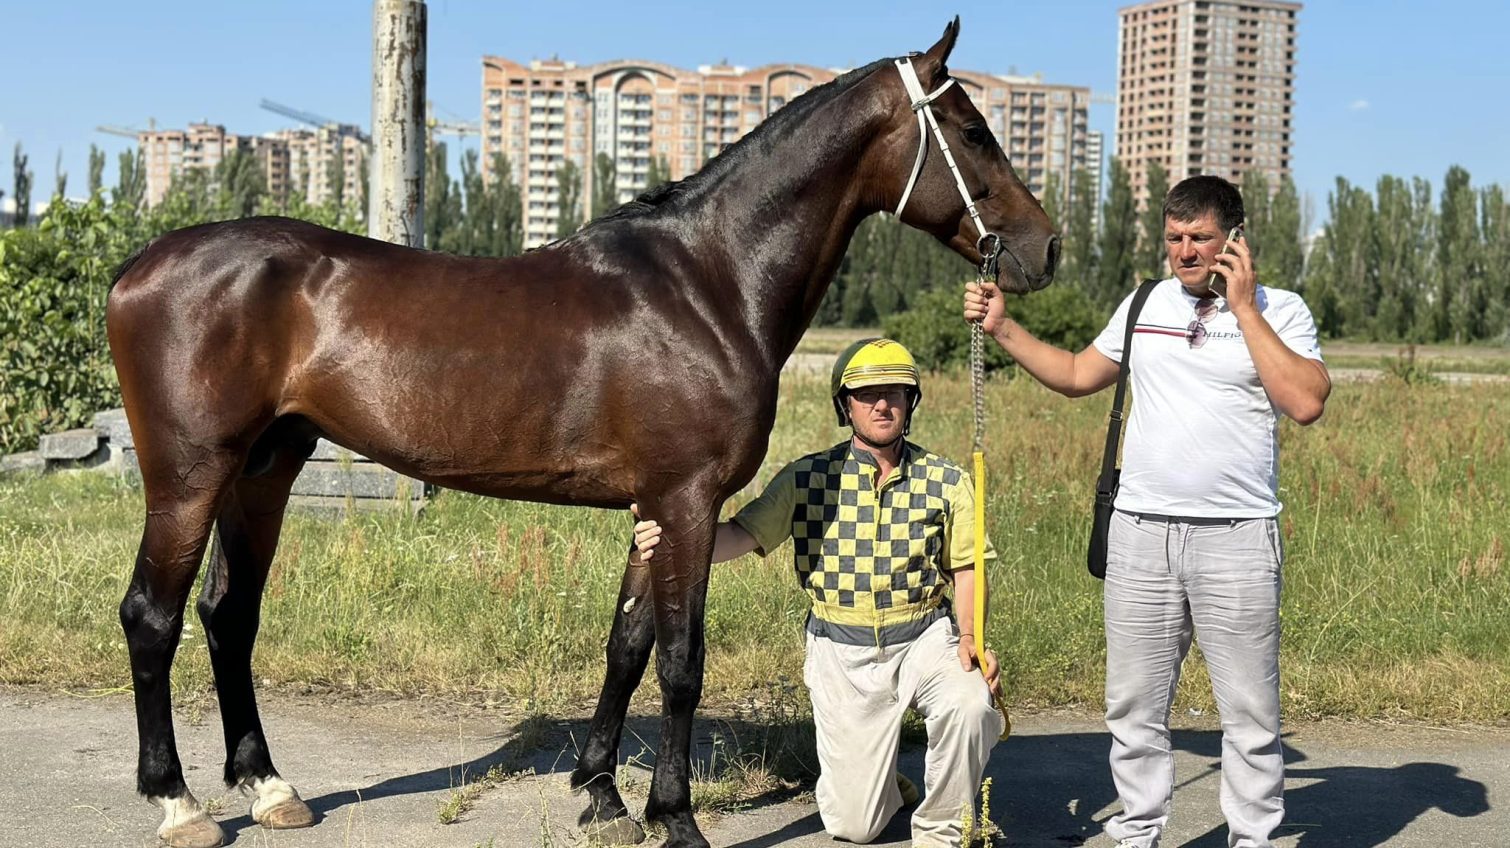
{"x": 769, "y": 517}
{"x": 962, "y": 525}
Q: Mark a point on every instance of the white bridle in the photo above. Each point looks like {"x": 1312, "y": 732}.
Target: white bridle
{"x": 922, "y": 106}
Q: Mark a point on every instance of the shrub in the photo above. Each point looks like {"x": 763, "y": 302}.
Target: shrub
{"x": 937, "y": 335}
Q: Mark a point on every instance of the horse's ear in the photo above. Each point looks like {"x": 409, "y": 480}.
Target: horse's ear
{"x": 932, "y": 65}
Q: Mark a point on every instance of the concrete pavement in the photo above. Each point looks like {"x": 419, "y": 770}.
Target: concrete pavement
{"x": 377, "y": 773}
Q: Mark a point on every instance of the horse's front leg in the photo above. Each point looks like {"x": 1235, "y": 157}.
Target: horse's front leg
{"x": 679, "y": 588}
{"x": 606, "y": 820}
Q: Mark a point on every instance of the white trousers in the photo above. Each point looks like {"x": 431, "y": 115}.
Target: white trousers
{"x": 1166, "y": 578}
{"x": 860, "y": 694}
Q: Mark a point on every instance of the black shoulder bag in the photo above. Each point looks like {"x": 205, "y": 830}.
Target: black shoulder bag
{"x": 1111, "y": 475}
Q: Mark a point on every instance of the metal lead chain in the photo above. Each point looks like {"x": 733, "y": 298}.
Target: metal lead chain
{"x": 989, "y": 246}
{"x": 978, "y": 382}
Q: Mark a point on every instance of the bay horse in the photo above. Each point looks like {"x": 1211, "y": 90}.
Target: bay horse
{"x": 635, "y": 361}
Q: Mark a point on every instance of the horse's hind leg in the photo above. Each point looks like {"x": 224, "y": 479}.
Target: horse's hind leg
{"x": 183, "y": 492}
{"x": 230, "y": 606}
{"x": 606, "y": 820}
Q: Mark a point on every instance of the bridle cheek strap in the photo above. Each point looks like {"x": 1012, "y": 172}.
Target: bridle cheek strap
{"x": 923, "y": 108}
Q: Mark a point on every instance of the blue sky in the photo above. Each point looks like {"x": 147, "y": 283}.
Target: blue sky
{"x": 1406, "y": 88}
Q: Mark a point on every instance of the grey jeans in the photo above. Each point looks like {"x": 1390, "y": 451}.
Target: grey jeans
{"x": 1168, "y": 578}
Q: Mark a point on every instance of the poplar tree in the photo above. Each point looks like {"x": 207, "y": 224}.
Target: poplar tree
{"x": 568, "y": 198}
{"x": 605, "y": 187}
{"x": 1284, "y": 258}
{"x": 1153, "y": 260}
{"x": 1078, "y": 266}
{"x": 1119, "y": 240}
{"x": 21, "y": 188}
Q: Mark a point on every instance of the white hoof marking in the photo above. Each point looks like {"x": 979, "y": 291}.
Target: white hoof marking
{"x": 271, "y": 791}
{"x": 178, "y": 811}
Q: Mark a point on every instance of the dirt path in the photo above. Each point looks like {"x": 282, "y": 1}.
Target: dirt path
{"x": 378, "y": 773}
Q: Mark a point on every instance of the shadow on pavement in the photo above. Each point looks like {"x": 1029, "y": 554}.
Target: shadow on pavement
{"x": 549, "y": 747}
{"x": 1360, "y": 807}
{"x": 1048, "y": 789}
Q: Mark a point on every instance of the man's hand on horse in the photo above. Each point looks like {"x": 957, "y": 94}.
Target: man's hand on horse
{"x": 647, "y": 534}
{"x": 968, "y": 656}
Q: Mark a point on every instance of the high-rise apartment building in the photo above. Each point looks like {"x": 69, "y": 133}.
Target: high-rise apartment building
{"x": 168, "y": 153}
{"x": 1095, "y": 152}
{"x": 299, "y": 160}
{"x": 1206, "y": 87}
{"x": 543, "y": 114}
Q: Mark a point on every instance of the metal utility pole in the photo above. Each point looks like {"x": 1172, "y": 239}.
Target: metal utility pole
{"x": 397, "y": 199}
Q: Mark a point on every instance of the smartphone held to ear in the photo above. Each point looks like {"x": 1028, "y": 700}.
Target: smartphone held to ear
{"x": 1218, "y": 283}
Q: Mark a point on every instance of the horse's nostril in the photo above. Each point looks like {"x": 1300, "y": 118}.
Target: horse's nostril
{"x": 1052, "y": 260}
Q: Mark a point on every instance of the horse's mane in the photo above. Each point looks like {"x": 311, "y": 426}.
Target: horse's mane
{"x": 776, "y": 125}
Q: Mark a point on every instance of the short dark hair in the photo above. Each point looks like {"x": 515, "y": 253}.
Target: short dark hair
{"x": 1202, "y": 195}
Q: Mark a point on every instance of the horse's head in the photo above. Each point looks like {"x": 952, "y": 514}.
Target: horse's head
{"x": 936, "y": 204}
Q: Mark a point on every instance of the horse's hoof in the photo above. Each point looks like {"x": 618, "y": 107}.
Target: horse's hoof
{"x": 278, "y": 805}
{"x": 622, "y": 830}
{"x": 198, "y": 832}
{"x": 286, "y": 815}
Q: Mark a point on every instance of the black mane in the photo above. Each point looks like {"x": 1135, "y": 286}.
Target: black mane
{"x": 774, "y": 125}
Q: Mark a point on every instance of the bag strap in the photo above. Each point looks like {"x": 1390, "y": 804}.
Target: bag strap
{"x": 1107, "y": 481}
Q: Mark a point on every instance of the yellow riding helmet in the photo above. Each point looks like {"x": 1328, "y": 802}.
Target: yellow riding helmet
{"x": 874, "y": 362}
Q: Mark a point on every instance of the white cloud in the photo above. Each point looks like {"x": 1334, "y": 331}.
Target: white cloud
{"x": 1358, "y": 105}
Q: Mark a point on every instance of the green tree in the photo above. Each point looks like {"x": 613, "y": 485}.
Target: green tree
{"x": 1079, "y": 265}
{"x": 131, "y": 181}
{"x": 335, "y": 175}
{"x": 1255, "y": 190}
{"x": 1054, "y": 200}
{"x": 1400, "y": 256}
{"x": 508, "y": 211}
{"x": 605, "y": 185}
{"x": 1496, "y": 262}
{"x": 1153, "y": 260}
{"x": 1284, "y": 258}
{"x": 21, "y": 188}
{"x": 443, "y": 204}
{"x": 1461, "y": 302}
{"x": 931, "y": 329}
{"x": 1119, "y": 240}
{"x": 568, "y": 198}
{"x": 239, "y": 185}
{"x": 1340, "y": 283}
{"x": 60, "y": 178}
{"x": 475, "y": 233}
{"x": 96, "y": 169}
{"x": 659, "y": 172}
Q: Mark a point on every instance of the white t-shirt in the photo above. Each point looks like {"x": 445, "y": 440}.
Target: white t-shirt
{"x": 1202, "y": 436}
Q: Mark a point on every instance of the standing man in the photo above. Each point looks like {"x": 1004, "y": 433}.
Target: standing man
{"x": 1194, "y": 546}
{"x": 879, "y": 526}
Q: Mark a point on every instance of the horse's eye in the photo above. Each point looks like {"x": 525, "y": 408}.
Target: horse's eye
{"x": 977, "y": 134}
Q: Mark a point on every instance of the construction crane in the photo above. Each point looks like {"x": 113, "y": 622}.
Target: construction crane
{"x": 126, "y": 132}
{"x": 300, "y": 116}
{"x": 435, "y": 126}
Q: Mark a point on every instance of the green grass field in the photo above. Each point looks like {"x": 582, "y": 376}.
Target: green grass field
{"x": 1397, "y": 594}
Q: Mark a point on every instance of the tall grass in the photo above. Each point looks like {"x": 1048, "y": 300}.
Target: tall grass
{"x": 1396, "y": 599}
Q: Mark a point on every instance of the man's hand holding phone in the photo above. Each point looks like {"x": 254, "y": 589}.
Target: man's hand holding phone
{"x": 1233, "y": 276}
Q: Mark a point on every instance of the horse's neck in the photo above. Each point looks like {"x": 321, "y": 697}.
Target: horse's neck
{"x": 787, "y": 216}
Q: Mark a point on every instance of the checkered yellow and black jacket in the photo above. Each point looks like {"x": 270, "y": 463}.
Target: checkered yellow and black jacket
{"x": 872, "y": 555}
